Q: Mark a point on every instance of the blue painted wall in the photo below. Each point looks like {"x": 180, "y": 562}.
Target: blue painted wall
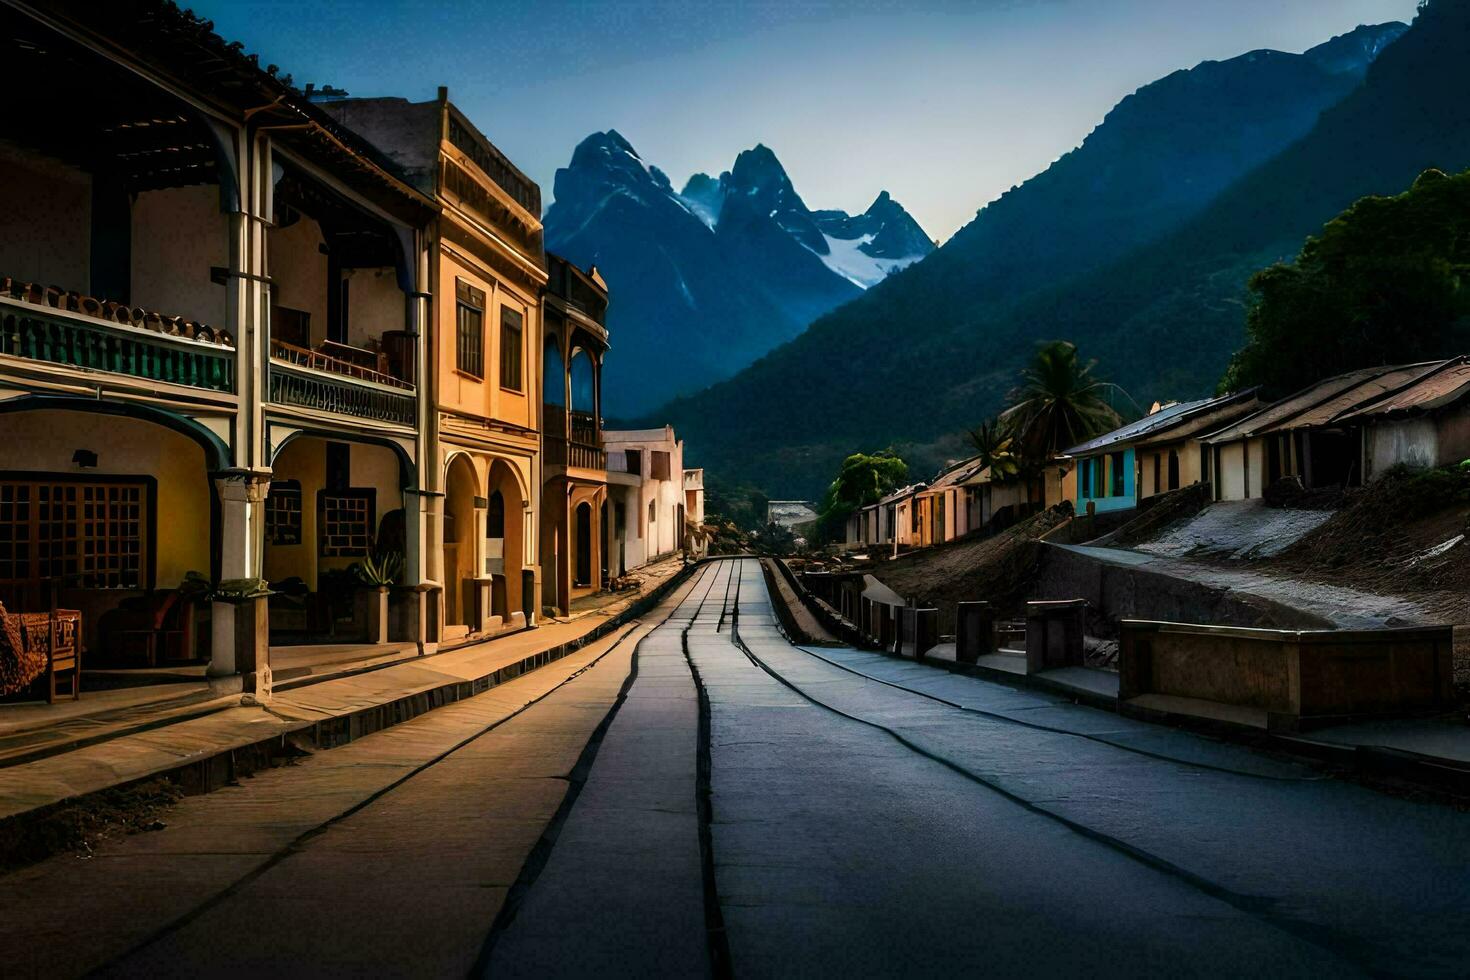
{"x": 1095, "y": 482}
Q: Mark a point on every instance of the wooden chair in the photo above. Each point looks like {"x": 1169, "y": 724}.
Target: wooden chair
{"x": 32, "y": 644}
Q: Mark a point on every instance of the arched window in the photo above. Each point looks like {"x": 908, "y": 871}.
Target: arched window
{"x": 554, "y": 378}
{"x": 584, "y": 384}
{"x": 495, "y": 516}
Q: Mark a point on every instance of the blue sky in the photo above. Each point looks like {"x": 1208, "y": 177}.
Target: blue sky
{"x": 944, "y": 104}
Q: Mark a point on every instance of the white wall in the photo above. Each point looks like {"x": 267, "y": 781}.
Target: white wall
{"x": 376, "y": 305}
{"x": 1414, "y": 442}
{"x": 299, "y": 272}
{"x": 178, "y": 234}
{"x": 45, "y": 221}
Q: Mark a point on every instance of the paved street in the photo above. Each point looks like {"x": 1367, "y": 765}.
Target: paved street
{"x": 696, "y": 796}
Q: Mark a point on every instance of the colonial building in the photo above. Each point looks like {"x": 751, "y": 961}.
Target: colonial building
{"x": 574, "y": 464}
{"x": 211, "y": 348}
{"x": 487, "y": 270}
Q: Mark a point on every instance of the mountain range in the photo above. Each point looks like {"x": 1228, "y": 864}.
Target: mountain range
{"x": 705, "y": 280}
{"x": 1137, "y": 246}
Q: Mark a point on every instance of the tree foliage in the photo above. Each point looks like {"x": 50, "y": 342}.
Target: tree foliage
{"x": 995, "y": 450}
{"x": 1384, "y": 283}
{"x": 863, "y": 479}
{"x": 1059, "y": 403}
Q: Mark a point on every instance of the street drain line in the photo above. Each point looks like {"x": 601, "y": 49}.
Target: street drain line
{"x": 995, "y": 716}
{"x": 716, "y": 938}
{"x": 306, "y": 836}
{"x": 1255, "y": 906}
{"x": 540, "y": 854}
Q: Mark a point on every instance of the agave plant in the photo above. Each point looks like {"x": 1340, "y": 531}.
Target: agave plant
{"x": 380, "y": 570}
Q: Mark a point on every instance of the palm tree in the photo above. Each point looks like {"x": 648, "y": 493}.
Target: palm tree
{"x": 1059, "y": 403}
{"x": 992, "y": 445}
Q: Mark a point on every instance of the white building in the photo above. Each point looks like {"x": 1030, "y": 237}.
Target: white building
{"x": 646, "y": 501}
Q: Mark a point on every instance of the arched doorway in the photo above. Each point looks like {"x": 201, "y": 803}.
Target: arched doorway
{"x": 461, "y": 488}
{"x": 504, "y": 541}
{"x": 583, "y": 571}
{"x": 106, "y": 508}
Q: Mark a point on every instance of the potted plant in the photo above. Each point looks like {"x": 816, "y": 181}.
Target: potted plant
{"x": 374, "y": 575}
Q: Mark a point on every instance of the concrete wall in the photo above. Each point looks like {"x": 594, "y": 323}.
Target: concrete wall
{"x": 178, "y": 234}
{"x": 1117, "y": 592}
{"x": 45, "y": 221}
{"x": 1230, "y": 478}
{"x": 299, "y": 272}
{"x": 1414, "y": 442}
{"x": 375, "y": 305}
{"x": 1290, "y": 675}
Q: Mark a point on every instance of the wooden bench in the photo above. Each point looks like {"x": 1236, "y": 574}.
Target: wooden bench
{"x": 36, "y": 644}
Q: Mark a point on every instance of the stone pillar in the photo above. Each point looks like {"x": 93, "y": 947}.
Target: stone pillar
{"x": 241, "y": 627}
{"x": 974, "y": 631}
{"x": 1054, "y": 631}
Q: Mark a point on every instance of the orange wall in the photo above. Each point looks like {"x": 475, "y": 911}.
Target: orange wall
{"x": 485, "y": 398}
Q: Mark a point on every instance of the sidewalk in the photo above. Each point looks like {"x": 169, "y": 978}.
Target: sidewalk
{"x": 205, "y": 741}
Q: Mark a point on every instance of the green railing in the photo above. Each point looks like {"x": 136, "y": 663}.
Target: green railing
{"x": 95, "y": 345}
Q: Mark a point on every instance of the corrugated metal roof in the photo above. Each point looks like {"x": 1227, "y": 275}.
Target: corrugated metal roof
{"x": 1355, "y": 397}
{"x": 1444, "y": 386}
{"x": 1208, "y": 420}
{"x": 1273, "y": 415}
{"x": 956, "y": 474}
{"x": 1165, "y": 417}
{"x": 900, "y": 494}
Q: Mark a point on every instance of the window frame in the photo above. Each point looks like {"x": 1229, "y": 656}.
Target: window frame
{"x": 284, "y": 490}
{"x": 147, "y": 537}
{"x": 370, "y": 522}
{"x": 469, "y": 299}
{"x": 513, "y": 353}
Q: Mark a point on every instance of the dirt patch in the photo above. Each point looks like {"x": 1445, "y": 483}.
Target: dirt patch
{"x": 1403, "y": 535}
{"x": 999, "y": 569}
{"x": 80, "y": 826}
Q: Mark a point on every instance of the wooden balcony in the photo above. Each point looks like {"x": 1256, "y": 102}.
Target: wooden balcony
{"x": 322, "y": 382}
{"x": 147, "y": 347}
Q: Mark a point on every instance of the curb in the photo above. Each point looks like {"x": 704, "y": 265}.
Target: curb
{"x": 221, "y": 768}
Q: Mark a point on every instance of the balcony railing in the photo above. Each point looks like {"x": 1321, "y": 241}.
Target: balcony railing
{"x": 146, "y": 352}
{"x": 584, "y": 447}
{"x": 340, "y": 359}
{"x": 307, "y": 387}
